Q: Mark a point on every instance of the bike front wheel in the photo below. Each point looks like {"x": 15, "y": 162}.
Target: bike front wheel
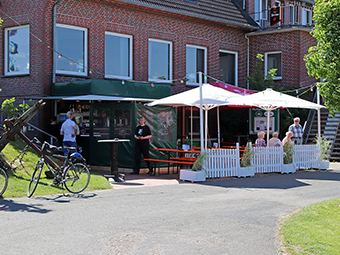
{"x": 76, "y": 177}
{"x": 3, "y": 181}
{"x": 35, "y": 178}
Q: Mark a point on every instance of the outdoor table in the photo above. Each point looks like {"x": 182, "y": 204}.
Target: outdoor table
{"x": 114, "y": 158}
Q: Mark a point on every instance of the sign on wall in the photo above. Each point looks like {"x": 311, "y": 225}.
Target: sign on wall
{"x": 258, "y": 121}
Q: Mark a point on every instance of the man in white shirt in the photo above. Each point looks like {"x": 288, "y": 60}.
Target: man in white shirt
{"x": 69, "y": 130}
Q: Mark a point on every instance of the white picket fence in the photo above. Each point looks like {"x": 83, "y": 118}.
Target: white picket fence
{"x": 226, "y": 162}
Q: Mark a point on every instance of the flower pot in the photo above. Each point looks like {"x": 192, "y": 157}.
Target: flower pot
{"x": 324, "y": 165}
{"x": 246, "y": 171}
{"x": 288, "y": 168}
{"x": 193, "y": 176}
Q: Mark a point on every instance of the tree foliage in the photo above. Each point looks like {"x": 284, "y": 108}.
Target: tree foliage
{"x": 9, "y": 108}
{"x": 323, "y": 60}
{"x": 257, "y": 81}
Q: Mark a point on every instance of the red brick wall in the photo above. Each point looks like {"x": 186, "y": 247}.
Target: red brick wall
{"x": 293, "y": 45}
{"x": 101, "y": 16}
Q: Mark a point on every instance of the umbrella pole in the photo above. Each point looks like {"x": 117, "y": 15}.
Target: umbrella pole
{"x": 200, "y": 74}
{"x": 206, "y": 129}
{"x": 191, "y": 126}
{"x": 218, "y": 127}
{"x": 268, "y": 118}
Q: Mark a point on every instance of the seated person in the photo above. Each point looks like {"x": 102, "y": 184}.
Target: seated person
{"x": 288, "y": 139}
{"x": 260, "y": 142}
{"x": 274, "y": 141}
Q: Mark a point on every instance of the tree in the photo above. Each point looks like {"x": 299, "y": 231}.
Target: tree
{"x": 256, "y": 80}
{"x": 10, "y": 110}
{"x": 323, "y": 60}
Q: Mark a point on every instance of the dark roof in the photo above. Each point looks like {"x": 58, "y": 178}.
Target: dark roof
{"x": 223, "y": 11}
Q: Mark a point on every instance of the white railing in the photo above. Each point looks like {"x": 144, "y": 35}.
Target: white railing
{"x": 267, "y": 159}
{"x": 222, "y": 162}
{"x": 307, "y": 156}
{"x": 226, "y": 162}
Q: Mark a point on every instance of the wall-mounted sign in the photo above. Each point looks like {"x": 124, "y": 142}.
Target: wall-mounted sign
{"x": 258, "y": 121}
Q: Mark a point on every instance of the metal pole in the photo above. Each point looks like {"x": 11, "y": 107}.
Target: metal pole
{"x": 319, "y": 115}
{"x": 200, "y": 77}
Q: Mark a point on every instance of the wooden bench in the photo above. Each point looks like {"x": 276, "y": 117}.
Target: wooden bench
{"x": 153, "y": 163}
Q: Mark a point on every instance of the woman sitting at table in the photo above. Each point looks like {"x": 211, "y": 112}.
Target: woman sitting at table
{"x": 260, "y": 142}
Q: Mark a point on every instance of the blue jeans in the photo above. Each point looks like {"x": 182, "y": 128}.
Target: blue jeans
{"x": 69, "y": 144}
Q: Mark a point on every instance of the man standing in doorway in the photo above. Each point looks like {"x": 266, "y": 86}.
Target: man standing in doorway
{"x": 69, "y": 130}
{"x": 142, "y": 134}
{"x": 297, "y": 130}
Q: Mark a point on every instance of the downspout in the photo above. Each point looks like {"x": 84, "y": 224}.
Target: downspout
{"x": 247, "y": 60}
{"x": 54, "y": 10}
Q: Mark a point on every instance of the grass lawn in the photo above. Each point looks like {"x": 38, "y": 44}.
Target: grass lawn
{"x": 20, "y": 175}
{"x": 314, "y": 229}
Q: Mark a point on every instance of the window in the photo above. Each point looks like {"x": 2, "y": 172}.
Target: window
{"x": 118, "y": 56}
{"x": 160, "y": 60}
{"x": 195, "y": 62}
{"x": 306, "y": 17}
{"x": 17, "y": 51}
{"x": 273, "y": 61}
{"x": 291, "y": 14}
{"x": 260, "y": 10}
{"x": 71, "y": 47}
{"x": 228, "y": 67}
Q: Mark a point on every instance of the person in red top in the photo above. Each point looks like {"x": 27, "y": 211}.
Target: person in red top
{"x": 142, "y": 135}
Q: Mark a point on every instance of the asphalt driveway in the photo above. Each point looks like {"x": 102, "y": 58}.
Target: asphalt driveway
{"x": 229, "y": 216}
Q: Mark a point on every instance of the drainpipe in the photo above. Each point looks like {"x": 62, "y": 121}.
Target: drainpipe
{"x": 54, "y": 40}
{"x": 247, "y": 60}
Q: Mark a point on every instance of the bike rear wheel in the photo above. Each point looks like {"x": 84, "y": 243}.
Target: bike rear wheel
{"x": 3, "y": 181}
{"x": 76, "y": 177}
{"x": 35, "y": 178}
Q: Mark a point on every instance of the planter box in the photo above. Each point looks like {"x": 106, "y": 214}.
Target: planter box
{"x": 193, "y": 176}
{"x": 288, "y": 168}
{"x": 246, "y": 171}
{"x": 324, "y": 165}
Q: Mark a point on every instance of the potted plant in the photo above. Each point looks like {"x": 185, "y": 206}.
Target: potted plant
{"x": 288, "y": 164}
{"x": 197, "y": 173}
{"x": 325, "y": 149}
{"x": 246, "y": 168}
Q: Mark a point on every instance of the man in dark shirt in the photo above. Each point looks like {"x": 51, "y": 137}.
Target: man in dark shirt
{"x": 142, "y": 134}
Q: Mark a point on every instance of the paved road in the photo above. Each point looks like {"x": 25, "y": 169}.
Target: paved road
{"x": 234, "y": 216}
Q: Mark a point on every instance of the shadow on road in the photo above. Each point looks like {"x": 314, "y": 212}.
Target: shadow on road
{"x": 276, "y": 180}
{"x": 12, "y": 206}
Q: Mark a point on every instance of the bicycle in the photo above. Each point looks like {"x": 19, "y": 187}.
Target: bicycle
{"x": 74, "y": 174}
{"x": 3, "y": 181}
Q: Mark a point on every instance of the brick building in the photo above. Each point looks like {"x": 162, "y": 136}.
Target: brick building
{"x": 46, "y": 42}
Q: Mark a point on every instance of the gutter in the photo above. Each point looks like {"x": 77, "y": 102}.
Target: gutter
{"x": 54, "y": 21}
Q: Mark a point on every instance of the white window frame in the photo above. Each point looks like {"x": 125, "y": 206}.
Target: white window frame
{"x": 129, "y": 77}
{"x": 266, "y": 64}
{"x": 306, "y": 17}
{"x": 205, "y": 61}
{"x": 6, "y": 58}
{"x": 85, "y": 64}
{"x": 170, "y": 61}
{"x": 236, "y": 64}
{"x": 260, "y": 10}
{"x": 291, "y": 14}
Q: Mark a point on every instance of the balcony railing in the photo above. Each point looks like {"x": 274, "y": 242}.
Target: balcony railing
{"x": 291, "y": 17}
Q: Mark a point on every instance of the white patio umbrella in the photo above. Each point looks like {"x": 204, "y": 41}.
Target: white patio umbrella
{"x": 211, "y": 97}
{"x": 269, "y": 100}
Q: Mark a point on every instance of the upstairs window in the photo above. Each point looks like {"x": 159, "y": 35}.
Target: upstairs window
{"x": 273, "y": 61}
{"x": 291, "y": 14}
{"x": 228, "y": 67}
{"x": 160, "y": 61}
{"x": 17, "y": 51}
{"x": 196, "y": 61}
{"x": 306, "y": 17}
{"x": 71, "y": 47}
{"x": 118, "y": 56}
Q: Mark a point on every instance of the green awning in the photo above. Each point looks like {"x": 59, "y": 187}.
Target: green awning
{"x": 112, "y": 88}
